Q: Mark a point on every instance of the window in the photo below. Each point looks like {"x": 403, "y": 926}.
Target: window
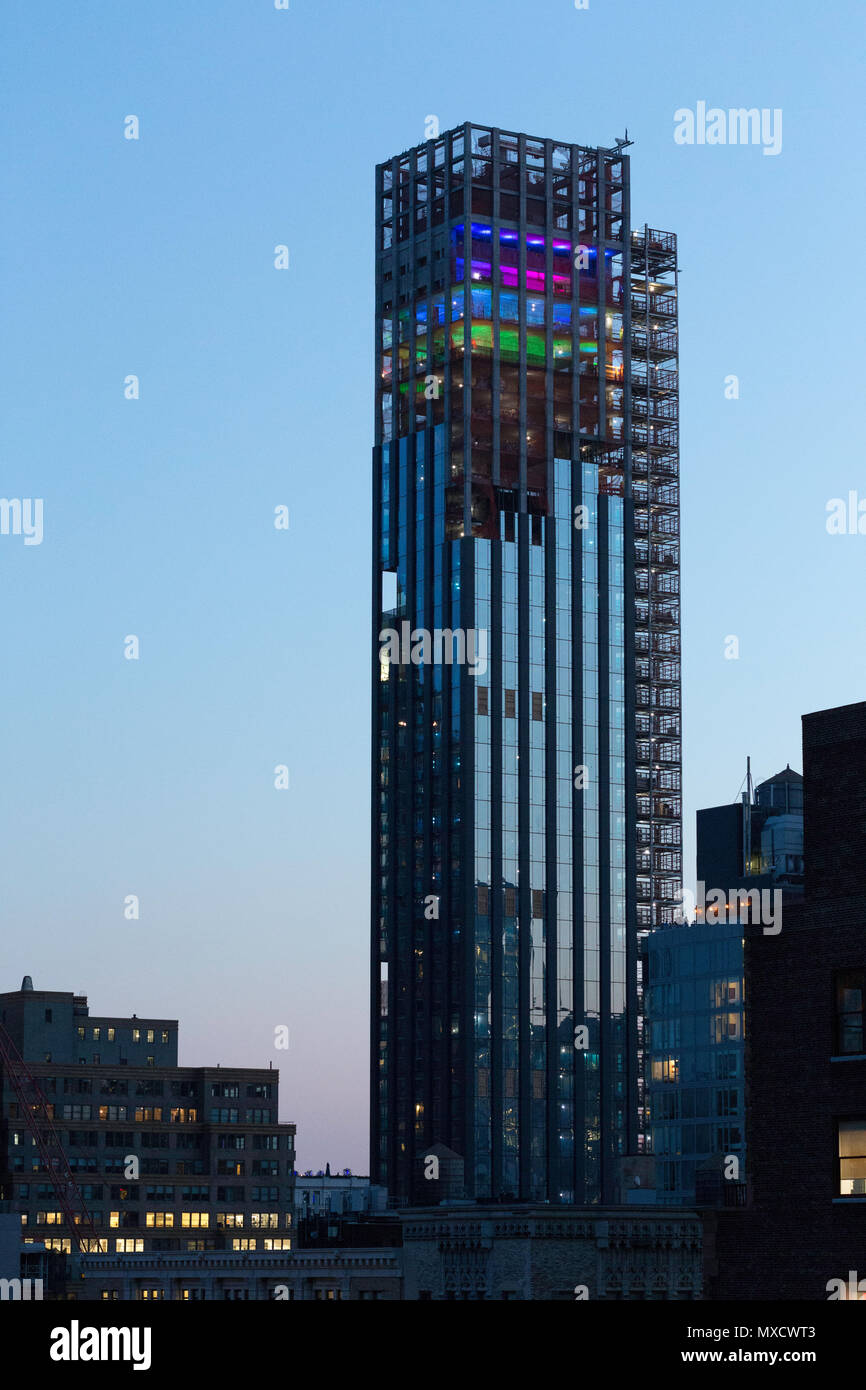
{"x": 128, "y": 1245}
{"x": 148, "y": 1295}
{"x": 165, "y": 1035}
{"x": 231, "y": 1141}
{"x": 111, "y": 1035}
{"x": 269, "y": 1220}
{"x": 537, "y": 705}
{"x": 150, "y": 1035}
{"x": 243, "y": 1243}
{"x": 231, "y": 1167}
{"x": 145, "y": 1114}
{"x": 194, "y": 1219}
{"x": 136, "y": 1035}
{"x": 77, "y": 1085}
{"x": 510, "y": 704}
{"x": 227, "y": 1090}
{"x": 276, "y": 1243}
{"x": 159, "y": 1219}
{"x": 124, "y": 1193}
{"x": 146, "y": 1087}
{"x": 229, "y": 1220}
{"x": 483, "y": 694}
{"x": 223, "y": 1117}
{"x": 852, "y": 1158}
{"x": 96, "y": 1033}
{"x": 850, "y": 993}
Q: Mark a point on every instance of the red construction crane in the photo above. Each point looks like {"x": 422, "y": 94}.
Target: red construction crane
{"x": 36, "y": 1114}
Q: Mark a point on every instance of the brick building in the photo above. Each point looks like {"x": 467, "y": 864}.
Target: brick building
{"x": 805, "y": 1224}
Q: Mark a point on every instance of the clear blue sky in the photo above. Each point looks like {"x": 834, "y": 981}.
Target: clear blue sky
{"x": 155, "y": 257}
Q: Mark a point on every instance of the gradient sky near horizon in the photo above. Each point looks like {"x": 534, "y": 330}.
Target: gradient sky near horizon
{"x": 154, "y": 257}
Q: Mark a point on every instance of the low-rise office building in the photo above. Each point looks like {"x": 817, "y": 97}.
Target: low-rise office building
{"x": 166, "y": 1158}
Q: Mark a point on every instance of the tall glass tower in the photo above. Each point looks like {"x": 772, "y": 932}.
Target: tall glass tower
{"x": 526, "y": 705}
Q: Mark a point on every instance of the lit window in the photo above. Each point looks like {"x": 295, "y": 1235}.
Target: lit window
{"x": 852, "y": 1158}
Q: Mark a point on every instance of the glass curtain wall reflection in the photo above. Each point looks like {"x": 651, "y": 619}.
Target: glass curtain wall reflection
{"x": 506, "y": 809}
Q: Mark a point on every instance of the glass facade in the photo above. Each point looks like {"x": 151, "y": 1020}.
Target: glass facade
{"x": 512, "y": 511}
{"x": 697, "y": 1088}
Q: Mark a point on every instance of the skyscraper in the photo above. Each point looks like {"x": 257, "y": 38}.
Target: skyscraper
{"x": 526, "y": 707}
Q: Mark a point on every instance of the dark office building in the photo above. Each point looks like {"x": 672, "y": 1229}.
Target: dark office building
{"x": 756, "y": 842}
{"x": 164, "y": 1157}
{"x": 806, "y": 1052}
{"x": 526, "y": 677}
{"x": 695, "y": 996}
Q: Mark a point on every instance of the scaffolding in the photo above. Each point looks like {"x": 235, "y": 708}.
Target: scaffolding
{"x": 655, "y": 488}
